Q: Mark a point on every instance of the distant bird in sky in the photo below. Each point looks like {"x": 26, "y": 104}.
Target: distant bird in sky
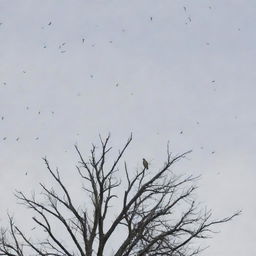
{"x": 2, "y": 117}
{"x": 151, "y": 18}
{"x": 145, "y": 163}
{"x": 50, "y": 23}
{"x": 37, "y": 138}
{"x": 17, "y": 139}
{"x": 83, "y": 40}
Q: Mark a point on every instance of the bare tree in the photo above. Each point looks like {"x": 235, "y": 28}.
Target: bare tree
{"x": 157, "y": 214}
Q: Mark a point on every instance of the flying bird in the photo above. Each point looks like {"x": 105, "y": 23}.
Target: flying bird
{"x": 145, "y": 163}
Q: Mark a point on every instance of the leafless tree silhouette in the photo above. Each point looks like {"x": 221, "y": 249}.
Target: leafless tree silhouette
{"x": 158, "y": 214}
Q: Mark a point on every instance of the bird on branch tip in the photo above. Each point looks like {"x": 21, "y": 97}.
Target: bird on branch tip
{"x": 145, "y": 163}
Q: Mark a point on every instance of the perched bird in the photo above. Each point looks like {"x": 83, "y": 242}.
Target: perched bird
{"x": 145, "y": 163}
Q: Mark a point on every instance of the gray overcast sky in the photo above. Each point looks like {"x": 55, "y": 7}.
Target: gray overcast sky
{"x": 70, "y": 70}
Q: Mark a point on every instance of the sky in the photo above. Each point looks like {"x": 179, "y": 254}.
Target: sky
{"x": 177, "y": 71}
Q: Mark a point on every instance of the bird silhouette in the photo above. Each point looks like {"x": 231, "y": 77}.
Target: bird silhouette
{"x": 145, "y": 163}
